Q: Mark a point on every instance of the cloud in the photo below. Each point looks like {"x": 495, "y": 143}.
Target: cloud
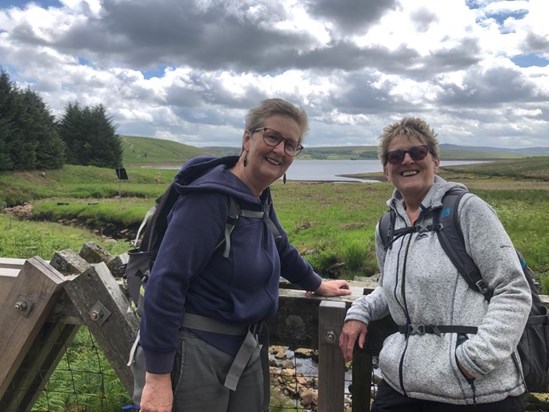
{"x": 188, "y": 70}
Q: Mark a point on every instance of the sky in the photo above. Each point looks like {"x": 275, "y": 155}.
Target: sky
{"x": 189, "y": 70}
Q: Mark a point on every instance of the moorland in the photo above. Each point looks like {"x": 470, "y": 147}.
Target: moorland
{"x": 331, "y": 224}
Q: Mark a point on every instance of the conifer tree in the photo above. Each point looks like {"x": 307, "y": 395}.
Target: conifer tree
{"x": 28, "y": 134}
{"x": 5, "y": 118}
{"x": 90, "y": 136}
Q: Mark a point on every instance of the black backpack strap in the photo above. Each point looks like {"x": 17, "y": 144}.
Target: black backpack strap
{"x": 450, "y": 235}
{"x": 385, "y": 228}
{"x": 387, "y": 232}
{"x": 154, "y": 232}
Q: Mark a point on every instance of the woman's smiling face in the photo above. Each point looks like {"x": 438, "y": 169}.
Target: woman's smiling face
{"x": 413, "y": 178}
{"x": 267, "y": 163}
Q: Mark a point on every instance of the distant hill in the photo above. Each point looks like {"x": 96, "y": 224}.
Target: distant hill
{"x": 148, "y": 151}
{"x": 447, "y": 151}
{"x": 144, "y": 151}
{"x": 452, "y": 151}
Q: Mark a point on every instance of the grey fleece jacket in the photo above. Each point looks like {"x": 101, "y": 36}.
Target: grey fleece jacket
{"x": 419, "y": 281}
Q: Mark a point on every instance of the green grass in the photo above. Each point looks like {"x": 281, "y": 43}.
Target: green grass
{"x": 148, "y": 151}
{"x": 83, "y": 381}
{"x": 25, "y": 239}
{"x": 527, "y": 168}
{"x": 331, "y": 224}
{"x": 81, "y": 182}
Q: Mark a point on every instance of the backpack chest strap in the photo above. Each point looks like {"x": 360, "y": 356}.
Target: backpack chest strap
{"x": 235, "y": 212}
{"x": 263, "y": 215}
{"x": 420, "y": 329}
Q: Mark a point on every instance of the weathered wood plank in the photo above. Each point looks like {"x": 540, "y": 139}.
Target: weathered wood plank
{"x": 31, "y": 299}
{"x": 331, "y": 368}
{"x": 361, "y": 386}
{"x": 11, "y": 263}
{"x": 9, "y": 269}
{"x": 103, "y": 307}
{"x": 296, "y": 323}
{"x": 37, "y": 367}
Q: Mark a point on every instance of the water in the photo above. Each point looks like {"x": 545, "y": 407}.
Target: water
{"x": 331, "y": 170}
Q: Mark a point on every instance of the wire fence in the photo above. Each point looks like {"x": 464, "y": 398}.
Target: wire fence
{"x": 85, "y": 382}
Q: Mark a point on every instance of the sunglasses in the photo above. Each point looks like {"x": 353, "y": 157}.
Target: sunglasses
{"x": 395, "y": 157}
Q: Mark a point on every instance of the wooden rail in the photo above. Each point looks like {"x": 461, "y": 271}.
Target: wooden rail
{"x": 44, "y": 304}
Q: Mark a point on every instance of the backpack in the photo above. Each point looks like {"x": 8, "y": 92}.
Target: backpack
{"x": 533, "y": 347}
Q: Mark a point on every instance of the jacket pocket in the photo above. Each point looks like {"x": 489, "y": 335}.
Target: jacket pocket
{"x": 461, "y": 338}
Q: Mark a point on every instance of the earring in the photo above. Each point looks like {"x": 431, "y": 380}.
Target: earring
{"x": 284, "y": 178}
{"x": 245, "y": 159}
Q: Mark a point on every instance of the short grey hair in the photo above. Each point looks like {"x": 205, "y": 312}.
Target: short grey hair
{"x": 271, "y": 107}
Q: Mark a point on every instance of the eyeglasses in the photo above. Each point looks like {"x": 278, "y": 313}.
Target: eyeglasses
{"x": 395, "y": 157}
{"x": 272, "y": 138}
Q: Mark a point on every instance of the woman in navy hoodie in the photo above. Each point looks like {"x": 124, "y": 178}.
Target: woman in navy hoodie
{"x": 204, "y": 302}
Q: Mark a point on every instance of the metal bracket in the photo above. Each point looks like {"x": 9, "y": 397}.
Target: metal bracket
{"x": 24, "y": 305}
{"x": 99, "y": 313}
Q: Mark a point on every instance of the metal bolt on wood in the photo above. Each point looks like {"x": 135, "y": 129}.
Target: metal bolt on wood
{"x": 95, "y": 315}
{"x": 21, "y": 305}
{"x": 330, "y": 336}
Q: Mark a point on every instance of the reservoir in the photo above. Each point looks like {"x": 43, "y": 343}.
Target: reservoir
{"x": 331, "y": 170}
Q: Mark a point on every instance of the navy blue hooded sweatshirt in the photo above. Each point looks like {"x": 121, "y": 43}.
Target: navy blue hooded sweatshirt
{"x": 190, "y": 274}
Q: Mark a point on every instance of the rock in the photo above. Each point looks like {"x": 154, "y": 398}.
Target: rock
{"x": 117, "y": 265}
{"x": 304, "y": 353}
{"x": 93, "y": 253}
{"x": 23, "y": 211}
{"x": 288, "y": 364}
{"x": 309, "y": 398}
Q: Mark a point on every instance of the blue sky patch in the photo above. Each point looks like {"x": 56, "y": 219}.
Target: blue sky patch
{"x": 528, "y": 60}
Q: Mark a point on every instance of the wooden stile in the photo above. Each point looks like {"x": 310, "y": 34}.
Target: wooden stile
{"x": 103, "y": 307}
{"x": 28, "y": 304}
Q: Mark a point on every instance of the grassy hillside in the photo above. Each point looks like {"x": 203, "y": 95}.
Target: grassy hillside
{"x": 528, "y": 168}
{"x": 147, "y": 151}
{"x": 536, "y": 168}
{"x": 81, "y": 182}
{"x": 448, "y": 152}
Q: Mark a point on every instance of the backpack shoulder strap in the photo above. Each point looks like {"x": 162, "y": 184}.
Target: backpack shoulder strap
{"x": 146, "y": 220}
{"x": 234, "y": 214}
{"x": 448, "y": 229}
{"x": 232, "y": 219}
{"x": 154, "y": 232}
{"x": 386, "y": 227}
{"x": 387, "y": 232}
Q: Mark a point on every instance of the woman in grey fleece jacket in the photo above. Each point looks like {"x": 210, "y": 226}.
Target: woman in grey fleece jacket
{"x": 419, "y": 285}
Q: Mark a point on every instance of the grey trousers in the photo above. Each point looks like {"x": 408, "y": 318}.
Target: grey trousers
{"x": 199, "y": 380}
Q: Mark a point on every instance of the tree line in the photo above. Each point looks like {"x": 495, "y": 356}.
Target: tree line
{"x": 32, "y": 139}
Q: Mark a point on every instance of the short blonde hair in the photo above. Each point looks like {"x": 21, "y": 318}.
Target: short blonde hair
{"x": 412, "y": 127}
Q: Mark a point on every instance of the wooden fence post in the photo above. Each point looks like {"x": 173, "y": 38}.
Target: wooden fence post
{"x": 9, "y": 269}
{"x": 331, "y": 367}
{"x": 30, "y": 301}
{"x": 362, "y": 380}
{"x": 103, "y": 307}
